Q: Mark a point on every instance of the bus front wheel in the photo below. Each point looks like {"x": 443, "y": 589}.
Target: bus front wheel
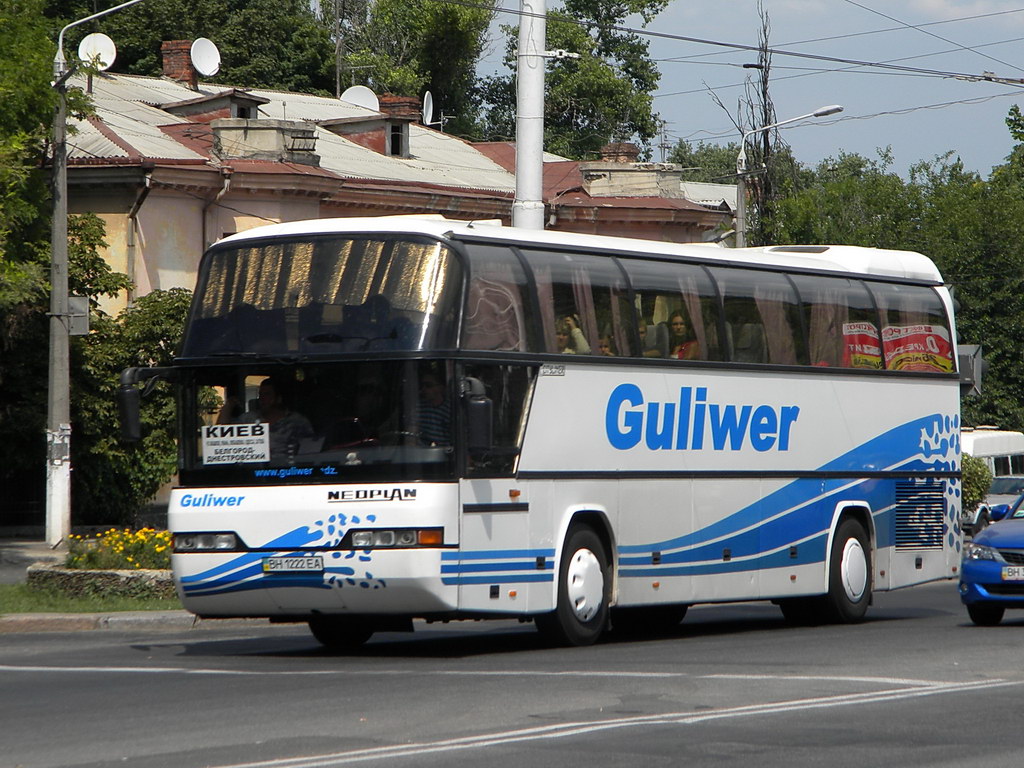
{"x": 584, "y": 589}
{"x": 849, "y": 576}
{"x": 340, "y": 633}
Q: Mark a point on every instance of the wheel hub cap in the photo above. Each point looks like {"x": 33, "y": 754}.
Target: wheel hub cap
{"x": 585, "y": 584}
{"x": 854, "y": 570}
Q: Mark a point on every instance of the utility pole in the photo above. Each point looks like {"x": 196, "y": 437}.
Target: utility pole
{"x": 58, "y": 411}
{"x": 528, "y": 207}
{"x": 58, "y": 405}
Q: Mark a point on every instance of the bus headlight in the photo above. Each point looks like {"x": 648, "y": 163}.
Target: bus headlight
{"x": 394, "y": 537}
{"x": 205, "y": 542}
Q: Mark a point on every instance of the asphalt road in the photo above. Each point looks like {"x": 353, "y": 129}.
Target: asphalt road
{"x": 916, "y": 685}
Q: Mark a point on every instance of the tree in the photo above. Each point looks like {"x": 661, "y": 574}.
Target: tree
{"x": 603, "y": 96}
{"x": 715, "y": 163}
{"x": 26, "y": 113}
{"x": 263, "y": 43}
{"x": 113, "y": 480}
{"x": 408, "y": 46}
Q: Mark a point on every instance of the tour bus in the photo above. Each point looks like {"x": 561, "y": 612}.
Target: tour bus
{"x": 398, "y": 418}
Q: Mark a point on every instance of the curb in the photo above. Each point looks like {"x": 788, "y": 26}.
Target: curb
{"x": 13, "y": 623}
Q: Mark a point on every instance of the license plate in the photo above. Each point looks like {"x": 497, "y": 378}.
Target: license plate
{"x": 1013, "y": 573}
{"x": 293, "y": 564}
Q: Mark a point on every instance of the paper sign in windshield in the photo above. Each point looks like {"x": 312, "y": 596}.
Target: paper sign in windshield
{"x": 236, "y": 443}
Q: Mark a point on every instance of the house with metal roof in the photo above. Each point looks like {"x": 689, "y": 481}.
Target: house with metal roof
{"x": 172, "y": 164}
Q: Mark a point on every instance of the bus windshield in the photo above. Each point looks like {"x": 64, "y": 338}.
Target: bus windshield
{"x": 328, "y": 422}
{"x": 325, "y": 296}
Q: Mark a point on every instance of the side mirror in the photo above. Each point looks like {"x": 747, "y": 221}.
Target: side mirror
{"x": 479, "y": 416}
{"x": 129, "y": 399}
{"x": 998, "y": 512}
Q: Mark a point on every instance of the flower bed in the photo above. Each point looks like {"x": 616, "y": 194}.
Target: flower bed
{"x": 114, "y": 563}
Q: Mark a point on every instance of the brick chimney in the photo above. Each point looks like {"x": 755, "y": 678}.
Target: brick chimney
{"x": 400, "y": 107}
{"x": 177, "y": 56}
{"x": 399, "y": 113}
{"x": 620, "y": 152}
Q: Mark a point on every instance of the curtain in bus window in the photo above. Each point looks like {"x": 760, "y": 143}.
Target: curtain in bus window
{"x": 915, "y": 332}
{"x": 575, "y": 290}
{"x": 762, "y": 317}
{"x": 495, "y": 310}
{"x": 662, "y": 288}
{"x": 841, "y": 322}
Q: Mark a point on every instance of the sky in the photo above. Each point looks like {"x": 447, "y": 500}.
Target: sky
{"x": 930, "y": 98}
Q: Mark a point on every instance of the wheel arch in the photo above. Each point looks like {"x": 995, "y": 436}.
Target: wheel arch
{"x": 596, "y": 518}
{"x": 859, "y": 511}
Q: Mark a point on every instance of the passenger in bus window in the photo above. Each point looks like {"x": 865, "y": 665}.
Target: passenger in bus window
{"x": 682, "y": 345}
{"x": 288, "y": 428}
{"x": 569, "y": 339}
{"x": 434, "y": 412}
{"x": 605, "y": 346}
{"x": 649, "y": 341}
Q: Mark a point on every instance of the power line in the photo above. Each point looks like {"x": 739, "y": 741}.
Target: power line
{"x": 932, "y": 34}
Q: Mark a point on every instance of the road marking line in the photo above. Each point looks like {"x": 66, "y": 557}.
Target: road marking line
{"x": 587, "y": 674}
{"x": 564, "y": 730}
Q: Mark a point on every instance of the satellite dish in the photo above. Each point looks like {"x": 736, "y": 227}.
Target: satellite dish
{"x": 428, "y": 108}
{"x": 361, "y": 96}
{"x": 205, "y": 57}
{"x": 98, "y": 48}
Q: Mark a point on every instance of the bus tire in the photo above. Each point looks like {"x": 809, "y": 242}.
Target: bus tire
{"x": 584, "y": 590}
{"x": 985, "y": 615}
{"x": 340, "y": 633}
{"x": 849, "y": 575}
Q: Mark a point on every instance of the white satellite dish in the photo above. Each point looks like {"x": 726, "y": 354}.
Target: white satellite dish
{"x": 361, "y": 96}
{"x": 98, "y": 48}
{"x": 205, "y": 57}
{"x": 428, "y": 108}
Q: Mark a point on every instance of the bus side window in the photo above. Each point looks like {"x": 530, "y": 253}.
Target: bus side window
{"x": 915, "y": 331}
{"x": 841, "y": 322}
{"x": 664, "y": 288}
{"x": 495, "y": 313}
{"x": 762, "y": 317}
{"x": 580, "y": 298}
{"x": 509, "y": 388}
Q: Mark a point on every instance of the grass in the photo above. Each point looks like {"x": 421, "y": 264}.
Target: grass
{"x": 18, "y": 598}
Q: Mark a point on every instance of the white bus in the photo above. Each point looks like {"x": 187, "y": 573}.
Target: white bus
{"x": 1002, "y": 450}
{"x": 393, "y": 418}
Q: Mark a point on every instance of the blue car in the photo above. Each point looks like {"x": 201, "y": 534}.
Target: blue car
{"x": 992, "y": 572}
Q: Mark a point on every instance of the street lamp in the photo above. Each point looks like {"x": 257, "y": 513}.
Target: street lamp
{"x": 58, "y": 406}
{"x": 741, "y": 167}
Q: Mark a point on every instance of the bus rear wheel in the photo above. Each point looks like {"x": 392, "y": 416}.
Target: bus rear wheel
{"x": 584, "y": 589}
{"x": 849, "y": 575}
{"x": 340, "y": 633}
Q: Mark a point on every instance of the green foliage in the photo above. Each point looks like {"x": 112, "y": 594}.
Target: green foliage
{"x": 976, "y": 480}
{"x": 27, "y": 104}
{"x": 121, "y": 550}
{"x": 715, "y": 163}
{"x": 112, "y": 480}
{"x": 20, "y": 598}
{"x": 263, "y": 43}
{"x": 408, "y": 46}
{"x": 603, "y": 96}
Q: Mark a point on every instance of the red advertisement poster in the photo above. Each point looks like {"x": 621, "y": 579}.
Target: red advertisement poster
{"x": 917, "y": 348}
{"x": 861, "y": 348}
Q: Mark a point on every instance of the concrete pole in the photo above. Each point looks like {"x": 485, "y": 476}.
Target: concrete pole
{"x": 528, "y": 208}
{"x": 58, "y": 411}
